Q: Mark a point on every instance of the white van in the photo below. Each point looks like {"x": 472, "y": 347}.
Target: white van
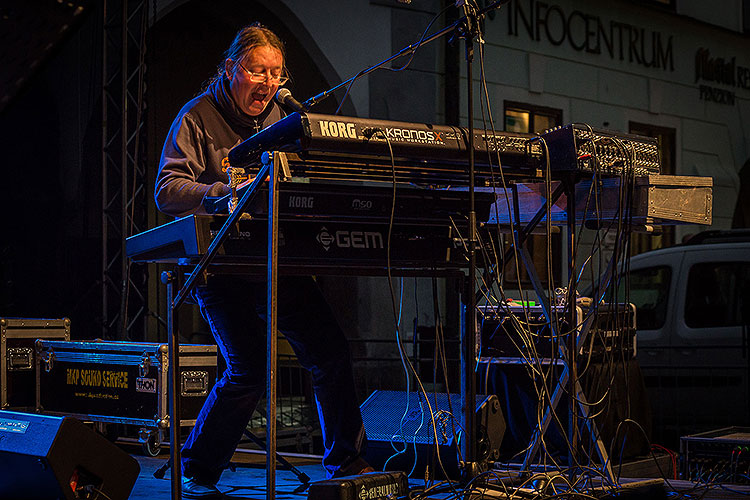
{"x": 693, "y": 315}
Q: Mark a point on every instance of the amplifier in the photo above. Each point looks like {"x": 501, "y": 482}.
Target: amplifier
{"x": 580, "y": 148}
{"x": 718, "y": 456}
{"x": 523, "y": 334}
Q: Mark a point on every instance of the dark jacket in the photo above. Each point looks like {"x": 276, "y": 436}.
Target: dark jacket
{"x": 193, "y": 161}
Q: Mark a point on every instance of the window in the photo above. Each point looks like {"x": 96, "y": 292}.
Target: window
{"x": 718, "y": 295}
{"x": 649, "y": 292}
{"x": 530, "y": 119}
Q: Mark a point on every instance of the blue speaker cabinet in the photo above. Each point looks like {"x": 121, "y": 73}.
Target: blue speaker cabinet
{"x": 405, "y": 431}
{"x": 45, "y": 457}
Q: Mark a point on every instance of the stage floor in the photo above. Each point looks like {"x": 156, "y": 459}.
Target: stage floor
{"x": 249, "y": 482}
{"x": 244, "y": 482}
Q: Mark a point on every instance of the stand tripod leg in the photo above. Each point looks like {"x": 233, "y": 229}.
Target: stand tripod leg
{"x": 541, "y": 428}
{"x": 544, "y": 424}
{"x": 303, "y": 478}
{"x": 601, "y": 450}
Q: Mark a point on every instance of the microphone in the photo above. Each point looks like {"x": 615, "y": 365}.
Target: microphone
{"x": 284, "y": 97}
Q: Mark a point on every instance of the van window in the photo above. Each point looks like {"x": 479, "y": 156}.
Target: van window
{"x": 718, "y": 295}
{"x": 649, "y": 291}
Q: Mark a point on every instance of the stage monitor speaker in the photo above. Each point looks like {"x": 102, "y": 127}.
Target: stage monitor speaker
{"x": 396, "y": 421}
{"x": 46, "y": 457}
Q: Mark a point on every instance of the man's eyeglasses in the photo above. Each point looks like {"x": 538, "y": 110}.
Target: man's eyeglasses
{"x": 264, "y": 77}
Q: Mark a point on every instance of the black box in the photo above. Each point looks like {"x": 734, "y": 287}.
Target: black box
{"x": 719, "y": 455}
{"x": 514, "y": 333}
{"x": 121, "y": 382}
{"x": 370, "y": 486}
{"x": 17, "y": 356}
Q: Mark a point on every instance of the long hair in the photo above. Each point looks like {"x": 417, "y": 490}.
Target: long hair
{"x": 248, "y": 38}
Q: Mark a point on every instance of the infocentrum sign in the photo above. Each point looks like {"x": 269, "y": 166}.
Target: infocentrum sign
{"x": 617, "y": 40}
{"x": 591, "y": 33}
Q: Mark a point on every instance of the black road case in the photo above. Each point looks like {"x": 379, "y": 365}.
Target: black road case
{"x": 17, "y": 337}
{"x": 122, "y": 382}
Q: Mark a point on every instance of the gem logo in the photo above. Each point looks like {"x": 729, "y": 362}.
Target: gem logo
{"x": 359, "y": 239}
{"x": 145, "y": 385}
{"x": 350, "y": 239}
{"x": 325, "y": 238}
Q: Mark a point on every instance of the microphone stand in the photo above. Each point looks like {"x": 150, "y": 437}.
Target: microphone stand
{"x": 466, "y": 27}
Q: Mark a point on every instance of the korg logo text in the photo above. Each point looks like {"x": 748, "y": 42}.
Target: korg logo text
{"x": 301, "y": 201}
{"x": 329, "y": 128}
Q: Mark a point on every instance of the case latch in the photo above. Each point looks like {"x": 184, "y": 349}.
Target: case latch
{"x": 48, "y": 358}
{"x": 145, "y": 365}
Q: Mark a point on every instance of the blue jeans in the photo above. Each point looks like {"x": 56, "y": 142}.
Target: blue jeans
{"x": 235, "y": 309}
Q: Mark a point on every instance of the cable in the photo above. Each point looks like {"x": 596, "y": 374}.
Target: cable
{"x": 409, "y": 369}
{"x": 90, "y": 488}
{"x": 411, "y": 57}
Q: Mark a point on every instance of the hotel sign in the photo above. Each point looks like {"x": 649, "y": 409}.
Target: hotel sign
{"x": 718, "y": 70}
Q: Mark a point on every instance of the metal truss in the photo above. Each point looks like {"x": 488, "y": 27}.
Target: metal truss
{"x": 124, "y": 285}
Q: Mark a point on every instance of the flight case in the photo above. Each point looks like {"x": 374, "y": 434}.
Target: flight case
{"x": 17, "y": 336}
{"x": 122, "y": 382}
